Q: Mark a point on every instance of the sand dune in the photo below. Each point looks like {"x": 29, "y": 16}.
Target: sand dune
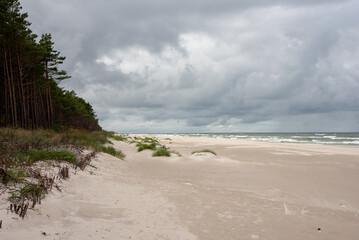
{"x": 249, "y": 190}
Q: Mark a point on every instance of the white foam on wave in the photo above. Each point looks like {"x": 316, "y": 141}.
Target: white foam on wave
{"x": 356, "y": 142}
{"x": 306, "y": 138}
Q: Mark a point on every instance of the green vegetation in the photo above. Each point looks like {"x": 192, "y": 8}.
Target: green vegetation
{"x": 21, "y": 150}
{"x": 150, "y": 140}
{"x": 204, "y": 151}
{"x": 17, "y": 172}
{"x": 143, "y": 146}
{"x": 31, "y": 191}
{"x": 42, "y": 154}
{"x": 30, "y": 96}
{"x": 122, "y": 137}
{"x": 112, "y": 151}
{"x": 146, "y": 143}
{"x": 162, "y": 151}
{"x": 154, "y": 145}
{"x": 94, "y": 139}
{"x": 34, "y": 145}
{"x": 11, "y": 170}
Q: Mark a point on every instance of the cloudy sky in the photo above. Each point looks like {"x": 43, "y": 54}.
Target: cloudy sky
{"x": 209, "y": 66}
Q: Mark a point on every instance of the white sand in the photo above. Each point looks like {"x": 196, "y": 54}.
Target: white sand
{"x": 250, "y": 190}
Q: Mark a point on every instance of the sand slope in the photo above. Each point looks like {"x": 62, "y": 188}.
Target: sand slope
{"x": 250, "y": 190}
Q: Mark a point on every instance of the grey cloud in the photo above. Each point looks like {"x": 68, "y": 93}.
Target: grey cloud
{"x": 257, "y": 65}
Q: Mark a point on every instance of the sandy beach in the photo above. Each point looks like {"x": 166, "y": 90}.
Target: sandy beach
{"x": 249, "y": 190}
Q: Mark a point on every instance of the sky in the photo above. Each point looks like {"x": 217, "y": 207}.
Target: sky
{"x": 178, "y": 66}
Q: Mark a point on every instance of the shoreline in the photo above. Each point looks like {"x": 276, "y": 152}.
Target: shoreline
{"x": 352, "y": 138}
{"x": 249, "y": 190}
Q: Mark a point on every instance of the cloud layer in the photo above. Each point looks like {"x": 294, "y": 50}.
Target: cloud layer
{"x": 174, "y": 66}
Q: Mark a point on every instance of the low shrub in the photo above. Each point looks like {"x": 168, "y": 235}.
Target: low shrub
{"x": 143, "y": 146}
{"x": 162, "y": 151}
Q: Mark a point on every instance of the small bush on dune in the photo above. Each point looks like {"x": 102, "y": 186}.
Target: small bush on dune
{"x": 153, "y": 144}
{"x": 204, "y": 151}
{"x": 143, "y": 146}
{"x": 146, "y": 143}
{"x": 150, "y": 140}
{"x": 162, "y": 151}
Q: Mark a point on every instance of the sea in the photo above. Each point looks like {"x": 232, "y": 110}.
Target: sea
{"x": 334, "y": 138}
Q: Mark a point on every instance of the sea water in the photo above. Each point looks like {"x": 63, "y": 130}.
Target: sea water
{"x": 348, "y": 139}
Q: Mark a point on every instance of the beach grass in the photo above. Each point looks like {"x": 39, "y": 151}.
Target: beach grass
{"x": 153, "y": 144}
{"x": 21, "y": 150}
{"x": 204, "y": 151}
{"x": 47, "y": 154}
{"x": 112, "y": 151}
{"x": 144, "y": 146}
{"x": 121, "y": 137}
{"x": 162, "y": 152}
{"x": 16, "y": 142}
{"x": 146, "y": 143}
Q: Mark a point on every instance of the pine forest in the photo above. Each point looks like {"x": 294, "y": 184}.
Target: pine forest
{"x": 30, "y": 95}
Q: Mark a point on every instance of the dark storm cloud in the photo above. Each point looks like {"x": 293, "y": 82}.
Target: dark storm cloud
{"x": 210, "y": 65}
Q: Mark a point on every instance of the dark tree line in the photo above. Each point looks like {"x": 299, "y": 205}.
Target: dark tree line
{"x": 29, "y": 76}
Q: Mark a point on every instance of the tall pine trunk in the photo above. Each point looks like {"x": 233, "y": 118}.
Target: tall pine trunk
{"x": 22, "y": 92}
